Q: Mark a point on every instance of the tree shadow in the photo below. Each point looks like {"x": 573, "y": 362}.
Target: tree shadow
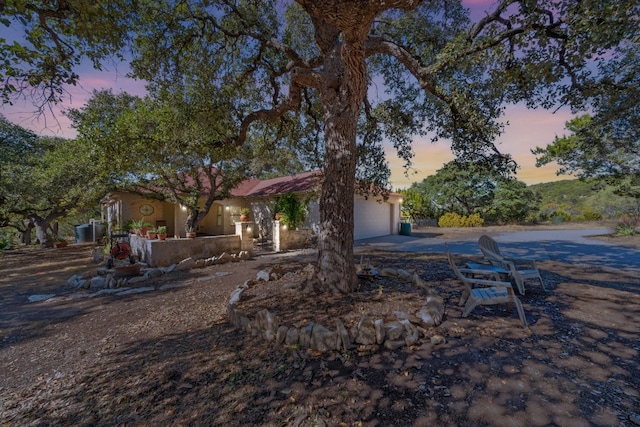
{"x": 575, "y": 366}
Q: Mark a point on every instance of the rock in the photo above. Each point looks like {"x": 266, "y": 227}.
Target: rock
{"x": 97, "y": 282}
{"x": 343, "y": 336}
{"x": 366, "y": 332}
{"x": 137, "y": 279}
{"x": 411, "y": 333}
{"x": 438, "y": 339}
{"x": 276, "y": 272}
{"x": 393, "y": 344}
{"x": 235, "y": 295}
{"x": 309, "y": 271}
{"x": 201, "y": 263}
{"x": 268, "y": 323}
{"x": 635, "y": 419}
{"x": 394, "y": 330}
{"x": 305, "y": 336}
{"x": 405, "y": 275}
{"x": 223, "y": 259}
{"x": 292, "y": 337}
{"x": 170, "y": 268}
{"x": 41, "y": 297}
{"x": 281, "y": 335}
{"x": 432, "y": 312}
{"x": 73, "y": 280}
{"x": 262, "y": 276}
{"x": 244, "y": 255}
{"x": 152, "y": 273}
{"x": 185, "y": 264}
{"x": 380, "y": 333}
{"x": 322, "y": 339}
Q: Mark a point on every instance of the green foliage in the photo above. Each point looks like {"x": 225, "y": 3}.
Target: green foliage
{"x": 137, "y": 224}
{"x": 292, "y": 211}
{"x": 560, "y": 216}
{"x": 625, "y": 229}
{"x": 44, "y": 180}
{"x": 512, "y": 202}
{"x": 452, "y": 219}
{"x": 581, "y": 200}
{"x": 416, "y": 205}
{"x": 468, "y": 188}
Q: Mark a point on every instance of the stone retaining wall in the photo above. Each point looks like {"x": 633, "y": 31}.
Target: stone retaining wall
{"x": 162, "y": 253}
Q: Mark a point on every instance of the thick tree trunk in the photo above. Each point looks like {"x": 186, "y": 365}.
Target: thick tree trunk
{"x": 25, "y": 235}
{"x": 342, "y": 96}
{"x": 42, "y": 225}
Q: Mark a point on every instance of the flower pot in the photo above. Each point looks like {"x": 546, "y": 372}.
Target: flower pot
{"x": 151, "y": 234}
{"x": 162, "y": 236}
{"x": 60, "y": 244}
{"x": 244, "y": 218}
{"x": 191, "y": 234}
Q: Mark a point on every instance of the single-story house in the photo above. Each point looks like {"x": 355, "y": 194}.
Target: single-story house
{"x": 373, "y": 218}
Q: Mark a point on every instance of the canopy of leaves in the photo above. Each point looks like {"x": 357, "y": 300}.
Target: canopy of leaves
{"x": 469, "y": 188}
{"x": 44, "y": 179}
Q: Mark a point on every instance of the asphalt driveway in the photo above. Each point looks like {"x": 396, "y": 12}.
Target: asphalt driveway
{"x": 567, "y": 246}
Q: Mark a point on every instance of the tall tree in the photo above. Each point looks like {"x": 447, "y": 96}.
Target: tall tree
{"x": 161, "y": 149}
{"x": 43, "y": 180}
{"x": 441, "y": 73}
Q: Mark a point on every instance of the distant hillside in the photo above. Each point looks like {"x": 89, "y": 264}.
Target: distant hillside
{"x": 578, "y": 198}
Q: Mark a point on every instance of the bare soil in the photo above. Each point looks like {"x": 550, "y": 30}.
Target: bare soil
{"x": 170, "y": 357}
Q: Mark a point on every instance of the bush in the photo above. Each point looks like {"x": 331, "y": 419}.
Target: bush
{"x": 625, "y": 229}
{"x": 560, "y": 216}
{"x": 452, "y": 219}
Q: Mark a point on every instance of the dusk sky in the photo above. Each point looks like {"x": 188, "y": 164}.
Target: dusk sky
{"x": 526, "y": 130}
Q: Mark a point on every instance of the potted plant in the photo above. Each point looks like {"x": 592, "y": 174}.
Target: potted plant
{"x": 59, "y": 242}
{"x": 152, "y": 234}
{"x": 162, "y": 232}
{"x": 191, "y": 233}
{"x": 244, "y": 214}
{"x": 140, "y": 226}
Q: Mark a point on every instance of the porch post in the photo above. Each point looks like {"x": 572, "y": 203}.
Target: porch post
{"x": 276, "y": 235}
{"x": 245, "y": 231}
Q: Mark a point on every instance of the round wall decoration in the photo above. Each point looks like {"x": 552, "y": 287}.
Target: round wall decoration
{"x": 146, "y": 209}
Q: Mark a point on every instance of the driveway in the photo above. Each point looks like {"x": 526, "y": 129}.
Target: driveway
{"x": 567, "y": 246}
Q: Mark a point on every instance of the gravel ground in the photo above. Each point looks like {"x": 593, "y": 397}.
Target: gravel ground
{"x": 169, "y": 356}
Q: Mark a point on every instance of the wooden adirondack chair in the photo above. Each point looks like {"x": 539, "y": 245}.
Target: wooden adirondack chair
{"x": 520, "y": 269}
{"x": 484, "y": 291}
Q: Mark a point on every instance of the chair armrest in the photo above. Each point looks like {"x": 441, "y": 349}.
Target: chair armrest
{"x": 521, "y": 261}
{"x": 489, "y": 283}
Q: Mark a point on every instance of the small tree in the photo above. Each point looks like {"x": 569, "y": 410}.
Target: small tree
{"x": 292, "y": 211}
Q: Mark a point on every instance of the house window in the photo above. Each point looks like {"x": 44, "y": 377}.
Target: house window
{"x": 219, "y": 215}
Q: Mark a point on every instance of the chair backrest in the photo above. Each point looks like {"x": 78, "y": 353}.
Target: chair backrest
{"x": 489, "y": 247}
{"x": 455, "y": 268}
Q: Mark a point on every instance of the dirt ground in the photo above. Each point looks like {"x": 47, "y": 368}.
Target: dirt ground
{"x": 170, "y": 357}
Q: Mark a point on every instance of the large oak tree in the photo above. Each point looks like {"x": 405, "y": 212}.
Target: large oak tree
{"x": 409, "y": 66}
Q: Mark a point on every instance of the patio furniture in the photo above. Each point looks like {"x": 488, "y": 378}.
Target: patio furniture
{"x": 484, "y": 291}
{"x": 520, "y": 269}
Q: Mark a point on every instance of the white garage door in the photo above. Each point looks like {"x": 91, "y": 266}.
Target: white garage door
{"x": 372, "y": 219}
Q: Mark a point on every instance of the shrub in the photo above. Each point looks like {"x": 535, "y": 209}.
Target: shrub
{"x": 625, "y": 229}
{"x": 452, "y": 219}
{"x": 560, "y": 216}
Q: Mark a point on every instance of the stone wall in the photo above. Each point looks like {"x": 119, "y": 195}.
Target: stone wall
{"x": 285, "y": 239}
{"x": 162, "y": 253}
